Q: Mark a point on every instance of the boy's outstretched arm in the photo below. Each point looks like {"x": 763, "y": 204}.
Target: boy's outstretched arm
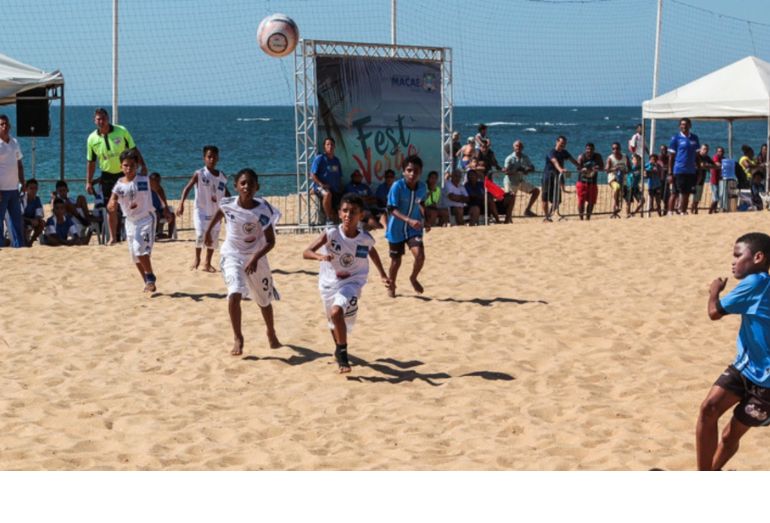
{"x": 270, "y": 239}
{"x": 310, "y": 254}
{"x": 375, "y": 256}
{"x": 215, "y": 220}
{"x": 185, "y": 192}
{"x": 715, "y": 310}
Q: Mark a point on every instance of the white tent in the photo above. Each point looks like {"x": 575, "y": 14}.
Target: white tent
{"x": 738, "y": 91}
{"x": 16, "y": 77}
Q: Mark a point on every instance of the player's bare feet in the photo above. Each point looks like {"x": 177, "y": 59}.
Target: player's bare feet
{"x": 341, "y": 355}
{"x": 194, "y": 265}
{"x": 392, "y": 291}
{"x": 209, "y": 268}
{"x": 149, "y": 286}
{"x": 416, "y": 284}
{"x": 272, "y": 339}
{"x": 237, "y": 347}
{"x": 112, "y": 242}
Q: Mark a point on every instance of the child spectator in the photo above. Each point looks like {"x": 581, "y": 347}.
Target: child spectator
{"x": 381, "y": 194}
{"x": 358, "y": 186}
{"x": 457, "y": 197}
{"x": 250, "y": 223}
{"x": 210, "y": 187}
{"x": 77, "y": 208}
{"x": 161, "y": 206}
{"x": 132, "y": 193}
{"x": 32, "y": 212}
{"x": 589, "y": 164}
{"x": 405, "y": 223}
{"x": 654, "y": 182}
{"x": 617, "y": 168}
{"x": 746, "y": 382}
{"x": 344, "y": 255}
{"x": 437, "y": 212}
{"x": 703, "y": 162}
{"x": 475, "y": 190}
{"x": 60, "y": 229}
{"x": 632, "y": 191}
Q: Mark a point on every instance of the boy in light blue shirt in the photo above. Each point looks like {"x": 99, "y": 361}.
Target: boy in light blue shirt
{"x": 747, "y": 381}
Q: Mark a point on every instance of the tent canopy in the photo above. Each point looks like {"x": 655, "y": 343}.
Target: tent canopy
{"x": 16, "y": 77}
{"x": 737, "y": 91}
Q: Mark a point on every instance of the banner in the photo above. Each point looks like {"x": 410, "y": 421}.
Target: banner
{"x": 378, "y": 111}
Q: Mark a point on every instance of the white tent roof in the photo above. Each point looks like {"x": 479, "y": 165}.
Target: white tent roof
{"x": 16, "y": 77}
{"x": 739, "y": 90}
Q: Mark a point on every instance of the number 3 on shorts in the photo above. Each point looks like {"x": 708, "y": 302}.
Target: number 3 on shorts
{"x": 265, "y": 284}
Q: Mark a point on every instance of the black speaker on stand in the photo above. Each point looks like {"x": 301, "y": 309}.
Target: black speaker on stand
{"x": 32, "y": 117}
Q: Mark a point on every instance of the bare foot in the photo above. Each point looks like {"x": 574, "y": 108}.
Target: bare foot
{"x": 344, "y": 369}
{"x": 112, "y": 242}
{"x": 274, "y": 342}
{"x": 416, "y": 284}
{"x": 194, "y": 265}
{"x": 209, "y": 268}
{"x": 237, "y": 347}
{"x": 149, "y": 286}
{"x": 392, "y": 291}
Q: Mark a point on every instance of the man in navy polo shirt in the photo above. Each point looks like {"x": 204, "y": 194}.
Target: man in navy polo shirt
{"x": 326, "y": 173}
{"x": 554, "y": 166}
{"x": 683, "y": 150}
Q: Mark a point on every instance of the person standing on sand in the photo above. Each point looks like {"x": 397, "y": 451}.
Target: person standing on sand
{"x": 683, "y": 150}
{"x": 554, "y": 167}
{"x": 11, "y": 175}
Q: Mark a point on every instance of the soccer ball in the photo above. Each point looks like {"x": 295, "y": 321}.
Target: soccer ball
{"x": 277, "y": 35}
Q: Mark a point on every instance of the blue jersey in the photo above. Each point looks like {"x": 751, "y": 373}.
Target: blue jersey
{"x": 751, "y": 299}
{"x": 360, "y": 189}
{"x": 684, "y": 148}
{"x": 382, "y": 194}
{"x": 407, "y": 202}
{"x": 328, "y": 171}
{"x": 33, "y": 209}
{"x": 157, "y": 204}
{"x": 63, "y": 230}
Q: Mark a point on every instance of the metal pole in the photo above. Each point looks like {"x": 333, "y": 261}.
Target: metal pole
{"x": 655, "y": 70}
{"x": 393, "y": 22}
{"x": 115, "y": 61}
{"x": 61, "y": 134}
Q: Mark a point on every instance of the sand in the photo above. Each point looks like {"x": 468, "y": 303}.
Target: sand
{"x": 563, "y": 346}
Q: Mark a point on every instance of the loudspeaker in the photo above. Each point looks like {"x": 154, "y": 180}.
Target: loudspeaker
{"x": 32, "y": 115}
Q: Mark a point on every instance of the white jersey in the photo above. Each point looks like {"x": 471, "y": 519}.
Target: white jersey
{"x": 134, "y": 197}
{"x": 209, "y": 190}
{"x": 350, "y": 261}
{"x": 246, "y": 227}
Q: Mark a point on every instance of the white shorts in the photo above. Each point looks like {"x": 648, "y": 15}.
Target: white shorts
{"x": 344, "y": 296}
{"x": 258, "y": 285}
{"x": 201, "y": 223}
{"x": 140, "y": 236}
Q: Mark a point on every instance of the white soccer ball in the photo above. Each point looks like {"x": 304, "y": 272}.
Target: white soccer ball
{"x": 277, "y": 35}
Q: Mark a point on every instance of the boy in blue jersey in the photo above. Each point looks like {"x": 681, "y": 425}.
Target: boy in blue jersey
{"x": 747, "y": 381}
{"x": 32, "y": 212}
{"x": 60, "y": 229}
{"x": 405, "y": 222}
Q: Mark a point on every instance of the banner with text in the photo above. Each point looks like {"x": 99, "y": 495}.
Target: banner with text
{"x": 378, "y": 111}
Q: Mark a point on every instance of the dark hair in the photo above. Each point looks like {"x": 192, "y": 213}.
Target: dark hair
{"x": 356, "y": 172}
{"x": 129, "y": 154}
{"x": 616, "y": 143}
{"x": 746, "y": 149}
{"x": 213, "y": 148}
{"x": 757, "y": 242}
{"x": 591, "y": 145}
{"x": 562, "y": 138}
{"x": 653, "y": 155}
{"x": 4, "y": 118}
{"x": 61, "y": 183}
{"x": 155, "y": 175}
{"x": 482, "y": 126}
{"x": 433, "y": 173}
{"x": 390, "y": 172}
{"x": 689, "y": 122}
{"x": 329, "y": 139}
{"x": 57, "y": 201}
{"x": 102, "y": 111}
{"x": 413, "y": 159}
{"x": 353, "y": 199}
{"x": 31, "y": 181}
{"x": 247, "y": 171}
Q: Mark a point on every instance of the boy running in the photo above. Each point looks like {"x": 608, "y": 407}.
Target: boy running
{"x": 210, "y": 187}
{"x": 250, "y": 223}
{"x": 132, "y": 193}
{"x": 344, "y": 253}
{"x": 747, "y": 381}
{"x": 405, "y": 222}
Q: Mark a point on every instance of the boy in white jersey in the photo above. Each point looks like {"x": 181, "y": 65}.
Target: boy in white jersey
{"x": 250, "y": 226}
{"x": 132, "y": 192}
{"x": 344, "y": 255}
{"x": 210, "y": 187}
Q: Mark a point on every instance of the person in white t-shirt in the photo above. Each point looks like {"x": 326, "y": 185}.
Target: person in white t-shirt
{"x": 210, "y": 187}
{"x": 250, "y": 223}
{"x": 344, "y": 252}
{"x": 11, "y": 177}
{"x": 132, "y": 192}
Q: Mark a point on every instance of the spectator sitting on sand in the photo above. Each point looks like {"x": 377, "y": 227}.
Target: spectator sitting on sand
{"x": 61, "y": 229}
{"x": 162, "y": 208}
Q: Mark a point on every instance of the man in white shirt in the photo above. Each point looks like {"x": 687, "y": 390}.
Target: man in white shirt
{"x": 11, "y": 175}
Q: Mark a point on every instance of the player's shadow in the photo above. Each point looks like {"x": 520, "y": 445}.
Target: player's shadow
{"x": 303, "y": 355}
{"x": 484, "y": 302}
{"x": 300, "y": 271}
{"x": 199, "y": 296}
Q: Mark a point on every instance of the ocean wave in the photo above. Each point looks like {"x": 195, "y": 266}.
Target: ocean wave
{"x": 497, "y": 124}
{"x": 258, "y": 119}
{"x": 530, "y": 130}
{"x": 555, "y": 124}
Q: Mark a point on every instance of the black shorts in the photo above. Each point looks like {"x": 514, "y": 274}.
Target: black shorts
{"x": 754, "y": 408}
{"x": 399, "y": 249}
{"x": 551, "y": 192}
{"x": 684, "y": 183}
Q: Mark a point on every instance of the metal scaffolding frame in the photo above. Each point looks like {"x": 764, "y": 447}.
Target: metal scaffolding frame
{"x": 306, "y": 103}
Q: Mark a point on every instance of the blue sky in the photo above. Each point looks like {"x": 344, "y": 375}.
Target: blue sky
{"x": 506, "y": 52}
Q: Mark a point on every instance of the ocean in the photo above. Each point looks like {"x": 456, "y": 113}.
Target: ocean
{"x": 171, "y": 138}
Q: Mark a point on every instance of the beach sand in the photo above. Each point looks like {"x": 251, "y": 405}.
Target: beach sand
{"x": 563, "y": 346}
